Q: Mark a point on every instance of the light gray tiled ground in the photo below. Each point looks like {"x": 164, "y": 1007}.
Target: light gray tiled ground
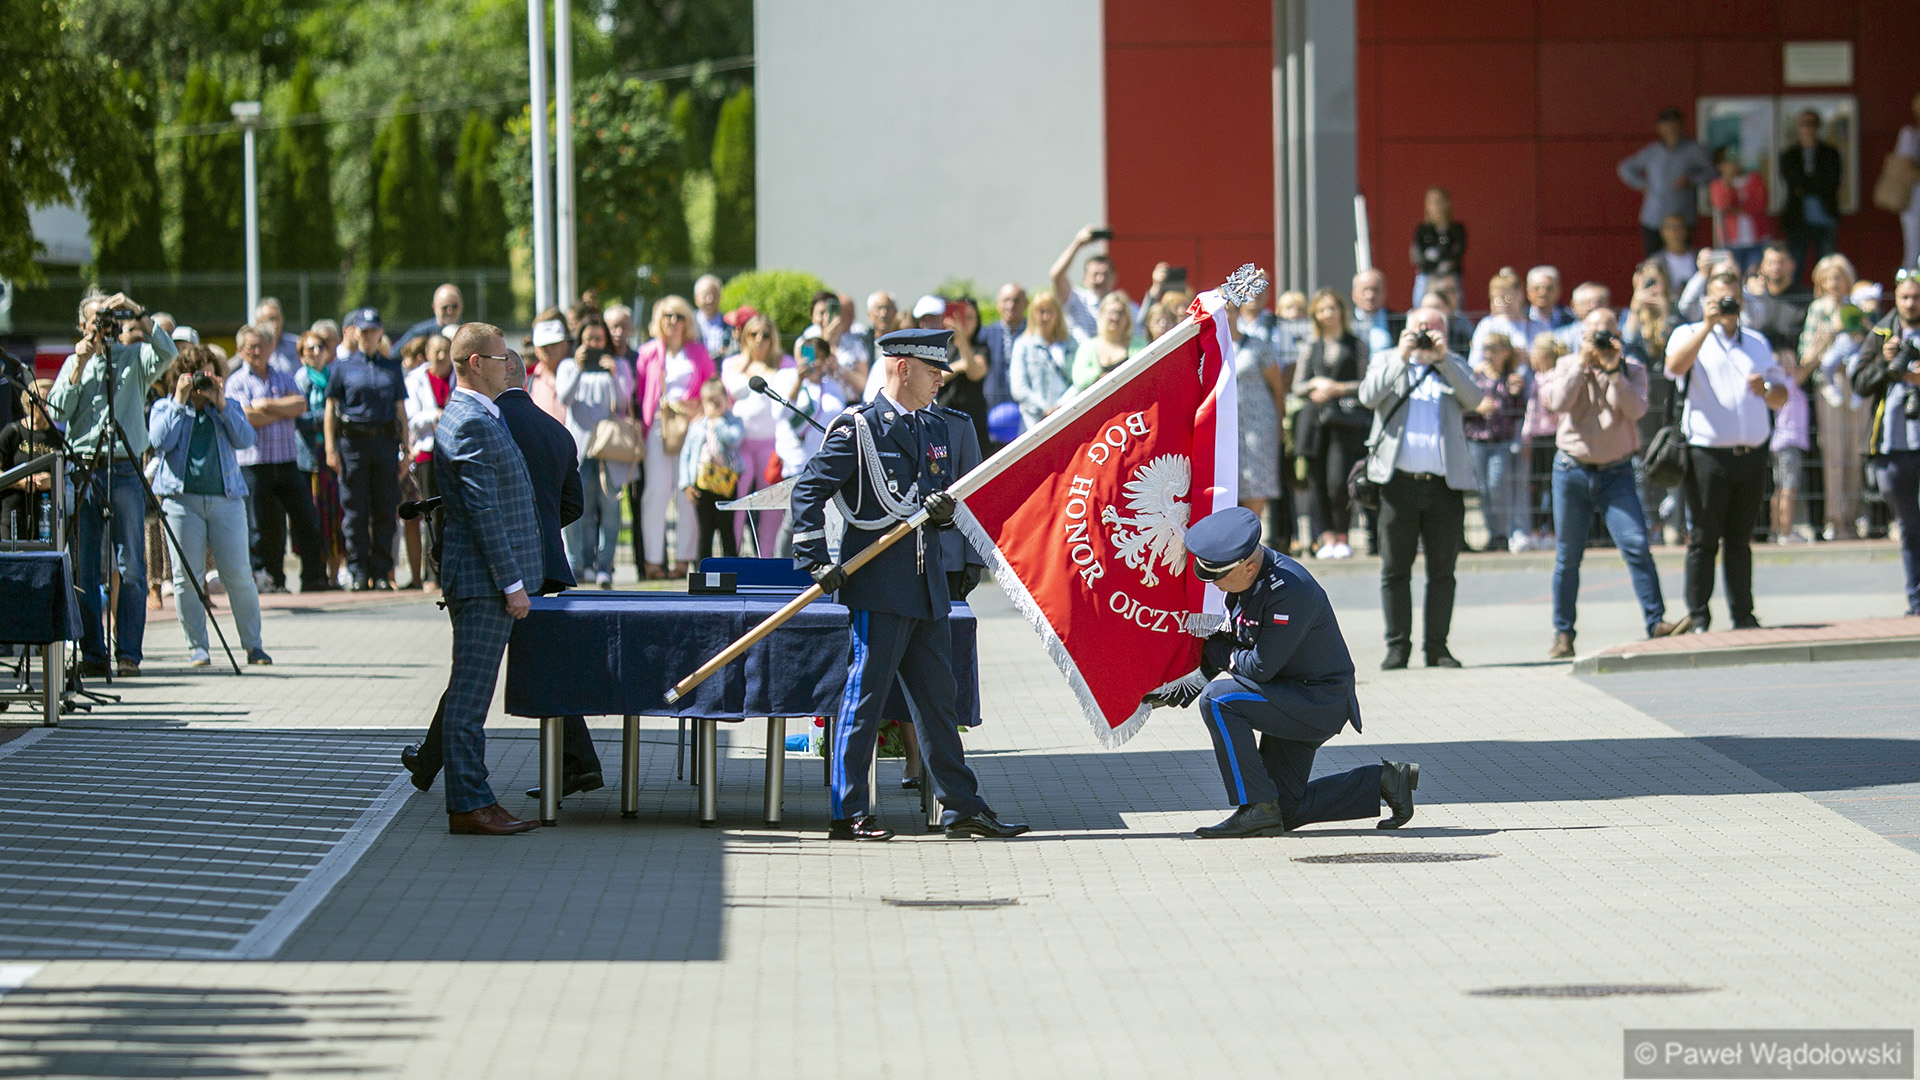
{"x": 1624, "y": 852}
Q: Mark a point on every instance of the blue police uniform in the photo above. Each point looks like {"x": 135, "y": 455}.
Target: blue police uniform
{"x": 1280, "y": 669}
{"x": 366, "y": 392}
{"x": 899, "y": 602}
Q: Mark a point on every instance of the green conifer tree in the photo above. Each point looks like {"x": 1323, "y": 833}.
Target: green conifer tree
{"x": 298, "y": 218}
{"x": 480, "y": 214}
{"x": 409, "y": 232}
{"x": 733, "y": 182}
{"x": 212, "y": 175}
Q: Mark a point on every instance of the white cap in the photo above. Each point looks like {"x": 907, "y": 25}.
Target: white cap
{"x": 551, "y": 332}
{"x": 187, "y": 334}
{"x": 929, "y": 305}
{"x": 449, "y": 330}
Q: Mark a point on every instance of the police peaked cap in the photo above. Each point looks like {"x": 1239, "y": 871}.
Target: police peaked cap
{"x": 932, "y": 346}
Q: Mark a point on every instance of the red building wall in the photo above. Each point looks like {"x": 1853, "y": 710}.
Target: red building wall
{"x": 1189, "y": 133}
{"x": 1522, "y": 109}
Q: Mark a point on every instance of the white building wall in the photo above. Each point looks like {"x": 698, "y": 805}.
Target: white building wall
{"x": 902, "y": 142}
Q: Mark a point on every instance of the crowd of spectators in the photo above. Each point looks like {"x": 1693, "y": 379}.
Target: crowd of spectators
{"x": 1360, "y": 426}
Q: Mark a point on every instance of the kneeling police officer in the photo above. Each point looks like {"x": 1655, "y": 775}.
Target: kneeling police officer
{"x": 1281, "y": 669}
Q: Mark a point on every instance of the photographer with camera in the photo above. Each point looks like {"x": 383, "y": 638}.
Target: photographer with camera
{"x": 1418, "y": 457}
{"x": 79, "y": 400}
{"x": 1731, "y": 382}
{"x": 197, "y": 432}
{"x": 1887, "y": 374}
{"x": 1598, "y": 394}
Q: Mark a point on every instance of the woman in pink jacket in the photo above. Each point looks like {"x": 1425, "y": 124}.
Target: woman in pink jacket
{"x": 668, "y": 374}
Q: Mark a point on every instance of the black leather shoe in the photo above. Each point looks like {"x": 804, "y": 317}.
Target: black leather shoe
{"x": 863, "y": 827}
{"x": 985, "y": 824}
{"x": 1396, "y": 659}
{"x": 94, "y": 669}
{"x": 422, "y": 776}
{"x": 1748, "y": 623}
{"x": 586, "y": 781}
{"x": 1398, "y": 779}
{"x": 909, "y": 783}
{"x": 1443, "y": 658}
{"x": 1255, "y": 819}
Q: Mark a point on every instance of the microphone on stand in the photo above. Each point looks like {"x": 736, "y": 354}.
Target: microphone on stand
{"x": 759, "y": 386}
{"x": 413, "y": 508}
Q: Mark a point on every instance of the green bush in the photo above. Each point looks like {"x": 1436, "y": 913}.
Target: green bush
{"x": 786, "y": 295}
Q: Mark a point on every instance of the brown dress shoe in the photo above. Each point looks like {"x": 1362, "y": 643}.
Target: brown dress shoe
{"x": 1663, "y": 628}
{"x": 488, "y": 821}
{"x": 1562, "y": 647}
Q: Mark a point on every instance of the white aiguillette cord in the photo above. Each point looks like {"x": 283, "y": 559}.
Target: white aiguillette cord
{"x": 897, "y": 508}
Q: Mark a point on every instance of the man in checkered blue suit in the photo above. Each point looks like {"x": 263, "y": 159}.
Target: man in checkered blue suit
{"x": 490, "y": 553}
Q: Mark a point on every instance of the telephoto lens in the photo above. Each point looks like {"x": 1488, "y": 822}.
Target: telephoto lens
{"x": 202, "y": 383}
{"x": 1423, "y": 339}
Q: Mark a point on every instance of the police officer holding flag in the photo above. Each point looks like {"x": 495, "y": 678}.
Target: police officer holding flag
{"x": 881, "y": 464}
{"x": 1280, "y": 669}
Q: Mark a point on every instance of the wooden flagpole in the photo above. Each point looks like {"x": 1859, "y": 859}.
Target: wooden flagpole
{"x": 1244, "y": 284}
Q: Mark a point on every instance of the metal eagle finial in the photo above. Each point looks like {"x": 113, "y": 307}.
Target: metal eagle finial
{"x": 1243, "y": 285}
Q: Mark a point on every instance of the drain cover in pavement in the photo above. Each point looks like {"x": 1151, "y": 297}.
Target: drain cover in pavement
{"x": 1592, "y": 990}
{"x": 1395, "y": 857}
{"x": 896, "y": 902}
{"x": 192, "y": 844}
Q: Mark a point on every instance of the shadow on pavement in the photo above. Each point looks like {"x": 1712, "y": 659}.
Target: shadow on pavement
{"x": 194, "y": 1031}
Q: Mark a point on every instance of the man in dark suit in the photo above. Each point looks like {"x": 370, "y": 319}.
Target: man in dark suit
{"x": 888, "y": 460}
{"x": 555, "y": 474}
{"x": 1810, "y": 172}
{"x": 490, "y": 550}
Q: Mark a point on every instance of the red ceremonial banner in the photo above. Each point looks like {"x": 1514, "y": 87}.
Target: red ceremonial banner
{"x": 1085, "y": 526}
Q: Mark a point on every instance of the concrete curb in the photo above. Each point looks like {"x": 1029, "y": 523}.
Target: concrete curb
{"x": 1807, "y": 652}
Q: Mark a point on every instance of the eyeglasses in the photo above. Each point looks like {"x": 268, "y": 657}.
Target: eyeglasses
{"x": 758, "y": 335}
{"x": 502, "y": 357}
{"x": 1906, "y": 275}
{"x": 673, "y": 316}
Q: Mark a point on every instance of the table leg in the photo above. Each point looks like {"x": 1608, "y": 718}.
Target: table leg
{"x": 551, "y": 747}
{"x": 776, "y": 767}
{"x": 630, "y": 767}
{"x": 706, "y": 763}
{"x": 929, "y": 805}
{"x": 53, "y": 666}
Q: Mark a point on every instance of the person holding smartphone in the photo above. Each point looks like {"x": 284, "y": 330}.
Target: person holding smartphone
{"x": 1081, "y": 304}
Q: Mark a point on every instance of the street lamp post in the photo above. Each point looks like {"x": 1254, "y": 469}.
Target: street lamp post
{"x": 542, "y": 168}
{"x": 566, "y": 259}
{"x": 247, "y": 115}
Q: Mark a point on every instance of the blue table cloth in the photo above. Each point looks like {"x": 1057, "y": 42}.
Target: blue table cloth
{"x": 616, "y": 654}
{"x": 37, "y": 601}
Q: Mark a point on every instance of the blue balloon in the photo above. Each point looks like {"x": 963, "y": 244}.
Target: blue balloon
{"x": 1004, "y": 422}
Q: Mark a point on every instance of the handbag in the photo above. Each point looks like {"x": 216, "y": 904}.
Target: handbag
{"x": 1666, "y": 457}
{"x": 1893, "y": 191}
{"x": 617, "y": 439}
{"x": 1361, "y": 490}
{"x": 716, "y": 479}
{"x": 673, "y": 421}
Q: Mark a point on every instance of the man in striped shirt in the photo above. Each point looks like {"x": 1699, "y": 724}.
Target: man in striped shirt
{"x": 278, "y": 495}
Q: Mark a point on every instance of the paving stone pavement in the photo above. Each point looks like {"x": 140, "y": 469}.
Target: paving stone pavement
{"x": 1623, "y": 850}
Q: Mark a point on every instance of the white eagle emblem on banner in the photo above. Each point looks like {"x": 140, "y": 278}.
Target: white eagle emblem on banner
{"x": 1155, "y": 536}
